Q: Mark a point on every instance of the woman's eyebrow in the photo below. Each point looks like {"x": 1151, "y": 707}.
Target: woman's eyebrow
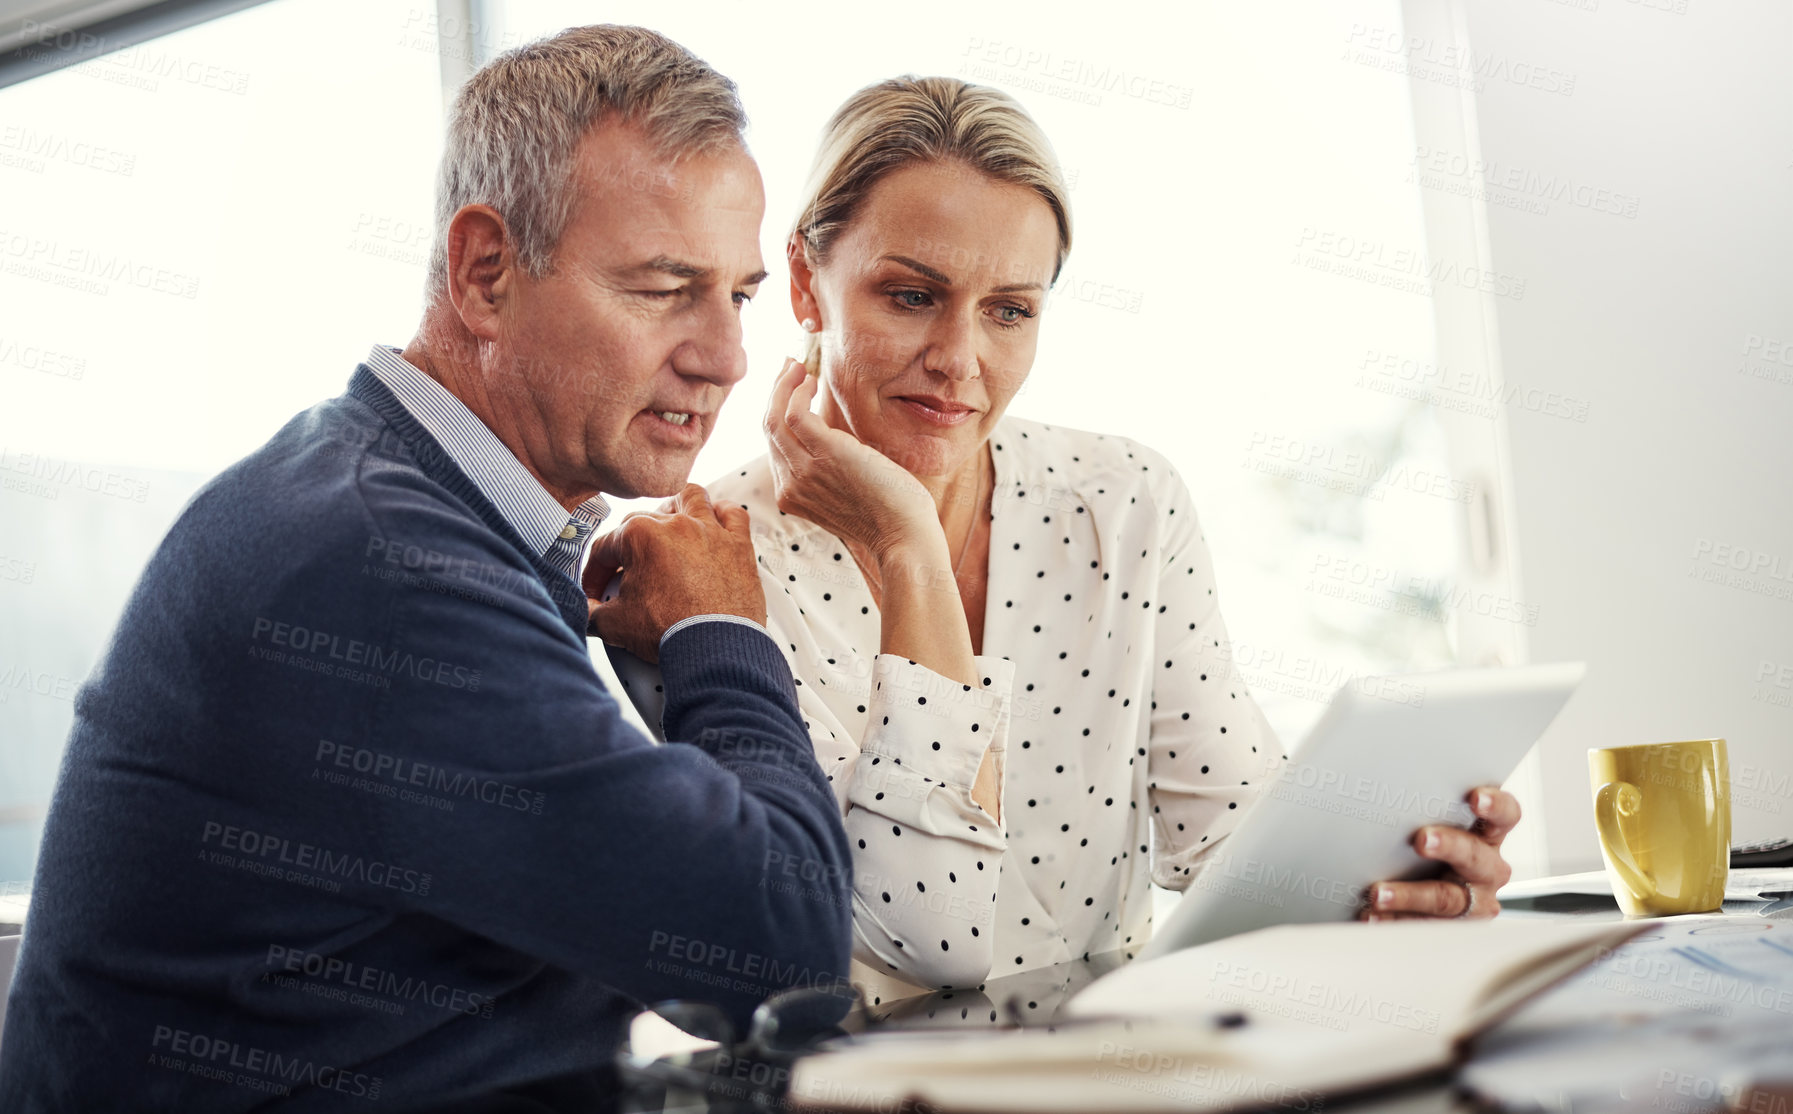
{"x": 940, "y": 277}
{"x": 923, "y": 268}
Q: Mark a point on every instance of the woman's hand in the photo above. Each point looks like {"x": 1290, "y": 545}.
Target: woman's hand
{"x": 1473, "y": 856}
{"x": 838, "y": 482}
{"x": 865, "y": 498}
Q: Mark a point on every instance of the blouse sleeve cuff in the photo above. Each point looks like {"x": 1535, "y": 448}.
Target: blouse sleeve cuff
{"x": 933, "y": 725}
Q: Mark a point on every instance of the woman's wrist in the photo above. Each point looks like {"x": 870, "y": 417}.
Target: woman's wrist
{"x": 916, "y": 559}
{"x": 922, "y": 612}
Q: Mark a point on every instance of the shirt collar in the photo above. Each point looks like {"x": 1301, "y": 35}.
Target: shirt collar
{"x": 534, "y": 514}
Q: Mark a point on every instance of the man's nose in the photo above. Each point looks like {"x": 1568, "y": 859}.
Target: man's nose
{"x": 714, "y": 353}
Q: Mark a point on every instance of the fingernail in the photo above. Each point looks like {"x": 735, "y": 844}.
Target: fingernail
{"x": 1484, "y": 800}
{"x": 1385, "y": 897}
{"x": 1430, "y": 843}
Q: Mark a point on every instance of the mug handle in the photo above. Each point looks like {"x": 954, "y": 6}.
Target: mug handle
{"x": 1612, "y": 799}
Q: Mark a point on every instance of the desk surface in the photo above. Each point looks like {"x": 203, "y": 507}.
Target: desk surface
{"x": 1675, "y": 1021}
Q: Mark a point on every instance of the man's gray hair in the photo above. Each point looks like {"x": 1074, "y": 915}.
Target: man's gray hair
{"x": 516, "y": 125}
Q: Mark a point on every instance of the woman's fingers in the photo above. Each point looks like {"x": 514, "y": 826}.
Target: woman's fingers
{"x": 797, "y": 415}
{"x": 1471, "y": 857}
{"x": 1438, "y": 897}
{"x": 788, "y": 414}
{"x": 779, "y": 403}
{"x": 1497, "y": 811}
{"x": 781, "y": 393}
{"x": 835, "y": 480}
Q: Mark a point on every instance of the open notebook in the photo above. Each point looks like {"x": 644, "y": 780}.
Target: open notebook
{"x": 1292, "y": 1016}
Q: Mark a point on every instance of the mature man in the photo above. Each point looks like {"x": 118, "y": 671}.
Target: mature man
{"x": 346, "y": 816}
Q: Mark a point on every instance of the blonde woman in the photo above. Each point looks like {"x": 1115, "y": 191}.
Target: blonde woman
{"x": 1005, "y": 634}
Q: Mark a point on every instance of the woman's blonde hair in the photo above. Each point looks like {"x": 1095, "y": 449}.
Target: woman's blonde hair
{"x": 907, "y": 120}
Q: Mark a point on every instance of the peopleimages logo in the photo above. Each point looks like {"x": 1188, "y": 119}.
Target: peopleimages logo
{"x": 112, "y": 58}
{"x": 87, "y": 269}
{"x": 353, "y": 977}
{"x": 404, "y": 771}
{"x": 259, "y": 1069}
{"x": 1333, "y": 1007}
{"x": 48, "y": 476}
{"x": 318, "y": 645}
{"x": 17, "y": 569}
{"x": 271, "y": 855}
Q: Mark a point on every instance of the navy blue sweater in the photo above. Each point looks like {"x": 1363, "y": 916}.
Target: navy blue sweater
{"x": 348, "y": 821}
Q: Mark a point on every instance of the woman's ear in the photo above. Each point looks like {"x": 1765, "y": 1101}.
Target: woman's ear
{"x": 803, "y": 300}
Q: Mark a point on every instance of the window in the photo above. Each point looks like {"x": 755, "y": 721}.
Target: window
{"x": 189, "y": 262}
{"x": 201, "y": 236}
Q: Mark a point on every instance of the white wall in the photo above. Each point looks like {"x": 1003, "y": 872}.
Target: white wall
{"x": 1662, "y": 325}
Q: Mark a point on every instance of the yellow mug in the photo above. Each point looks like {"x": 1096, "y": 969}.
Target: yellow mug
{"x": 1664, "y": 814}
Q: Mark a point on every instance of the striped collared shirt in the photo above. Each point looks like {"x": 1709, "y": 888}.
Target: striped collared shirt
{"x": 561, "y": 539}
{"x": 538, "y": 518}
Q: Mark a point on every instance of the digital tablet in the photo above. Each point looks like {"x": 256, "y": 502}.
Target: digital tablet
{"x": 1389, "y": 756}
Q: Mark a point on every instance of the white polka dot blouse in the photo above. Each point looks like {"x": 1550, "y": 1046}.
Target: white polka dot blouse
{"x": 1126, "y": 745}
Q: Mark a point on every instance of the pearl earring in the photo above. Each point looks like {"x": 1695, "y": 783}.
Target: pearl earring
{"x": 809, "y": 324}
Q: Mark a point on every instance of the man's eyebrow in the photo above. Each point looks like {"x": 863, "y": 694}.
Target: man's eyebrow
{"x": 667, "y": 265}
{"x": 929, "y": 272}
{"x": 678, "y": 268}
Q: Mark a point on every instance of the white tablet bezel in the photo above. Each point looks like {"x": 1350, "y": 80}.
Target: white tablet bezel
{"x": 1390, "y": 755}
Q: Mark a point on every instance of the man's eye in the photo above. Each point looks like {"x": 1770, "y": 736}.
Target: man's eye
{"x": 742, "y": 298}
{"x": 674, "y": 292}
{"x": 911, "y": 299}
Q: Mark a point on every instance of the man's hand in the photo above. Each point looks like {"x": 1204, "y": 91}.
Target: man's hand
{"x": 690, "y": 558}
{"x": 1476, "y": 867}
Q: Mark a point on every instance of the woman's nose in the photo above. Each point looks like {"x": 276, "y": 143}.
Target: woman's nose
{"x": 952, "y": 350}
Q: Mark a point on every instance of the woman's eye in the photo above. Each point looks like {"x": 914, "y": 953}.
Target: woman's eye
{"x": 1012, "y": 315}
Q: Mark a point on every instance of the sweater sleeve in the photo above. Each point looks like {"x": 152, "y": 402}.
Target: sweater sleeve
{"x": 927, "y": 858}
{"x": 660, "y": 869}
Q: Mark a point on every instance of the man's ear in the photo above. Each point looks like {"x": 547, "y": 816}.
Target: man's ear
{"x": 481, "y": 268}
{"x": 803, "y": 298}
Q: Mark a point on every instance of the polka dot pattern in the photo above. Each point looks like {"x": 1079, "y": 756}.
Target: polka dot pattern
{"x": 1124, "y": 740}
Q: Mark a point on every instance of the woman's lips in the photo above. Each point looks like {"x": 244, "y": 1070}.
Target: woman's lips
{"x": 937, "y": 411}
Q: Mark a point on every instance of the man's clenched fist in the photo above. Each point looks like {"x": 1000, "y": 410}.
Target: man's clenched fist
{"x": 693, "y": 559}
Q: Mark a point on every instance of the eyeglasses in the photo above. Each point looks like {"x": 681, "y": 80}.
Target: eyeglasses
{"x": 730, "y": 1075}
